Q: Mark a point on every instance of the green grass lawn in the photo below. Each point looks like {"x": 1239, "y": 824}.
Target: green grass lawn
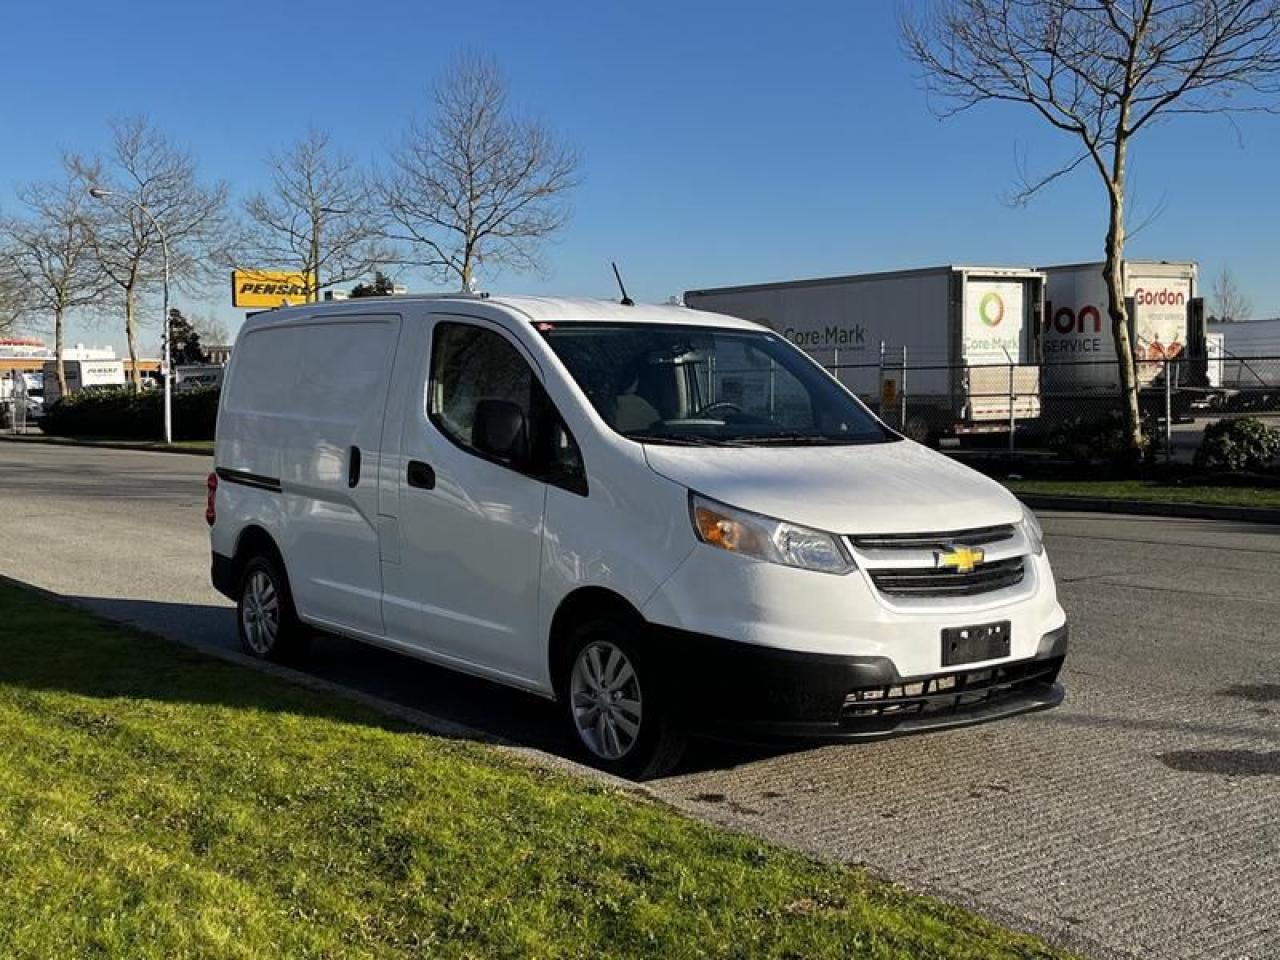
{"x": 190, "y": 446}
{"x": 184, "y": 446}
{"x": 157, "y": 803}
{"x": 1150, "y": 491}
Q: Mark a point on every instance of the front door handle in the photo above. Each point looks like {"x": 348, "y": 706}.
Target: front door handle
{"x": 353, "y": 466}
{"x": 421, "y": 475}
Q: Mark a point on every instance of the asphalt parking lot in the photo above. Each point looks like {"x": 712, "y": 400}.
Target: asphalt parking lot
{"x": 1139, "y": 820}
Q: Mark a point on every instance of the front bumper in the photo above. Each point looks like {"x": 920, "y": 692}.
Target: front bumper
{"x": 718, "y": 594}
{"x": 740, "y": 691}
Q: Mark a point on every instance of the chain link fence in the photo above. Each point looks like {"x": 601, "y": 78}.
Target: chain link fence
{"x": 1049, "y": 407}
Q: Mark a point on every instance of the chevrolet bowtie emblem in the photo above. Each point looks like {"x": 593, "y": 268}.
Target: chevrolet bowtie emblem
{"x": 959, "y": 559}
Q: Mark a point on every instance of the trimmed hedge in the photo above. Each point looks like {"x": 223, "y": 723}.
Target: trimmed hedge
{"x": 1235, "y": 445}
{"x": 121, "y": 414}
{"x": 1100, "y": 439}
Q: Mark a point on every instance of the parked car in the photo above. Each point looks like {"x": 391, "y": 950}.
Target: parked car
{"x": 668, "y": 521}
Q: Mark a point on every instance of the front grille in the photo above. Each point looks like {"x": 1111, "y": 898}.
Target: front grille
{"x": 948, "y": 693}
{"x": 975, "y": 537}
{"x": 924, "y": 582}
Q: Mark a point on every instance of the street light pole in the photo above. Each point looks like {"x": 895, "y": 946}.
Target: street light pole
{"x": 166, "y": 360}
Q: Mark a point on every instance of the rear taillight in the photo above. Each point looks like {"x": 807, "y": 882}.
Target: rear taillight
{"x": 210, "y": 510}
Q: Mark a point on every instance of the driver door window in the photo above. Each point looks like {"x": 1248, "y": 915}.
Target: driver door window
{"x": 471, "y": 365}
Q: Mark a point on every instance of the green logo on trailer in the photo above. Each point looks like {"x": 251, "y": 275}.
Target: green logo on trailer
{"x": 991, "y": 309}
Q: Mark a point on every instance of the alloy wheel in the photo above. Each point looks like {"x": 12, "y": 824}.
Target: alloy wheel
{"x": 605, "y": 700}
{"x": 260, "y": 613}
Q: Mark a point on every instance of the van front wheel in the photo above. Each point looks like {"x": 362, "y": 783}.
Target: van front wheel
{"x": 268, "y": 625}
{"x": 616, "y": 704}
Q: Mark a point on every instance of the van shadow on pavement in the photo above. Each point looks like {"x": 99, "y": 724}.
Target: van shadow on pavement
{"x": 490, "y": 709}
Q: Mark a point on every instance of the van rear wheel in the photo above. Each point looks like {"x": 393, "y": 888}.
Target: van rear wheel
{"x": 616, "y": 703}
{"x": 268, "y": 624}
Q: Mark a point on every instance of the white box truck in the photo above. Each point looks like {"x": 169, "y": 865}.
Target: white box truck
{"x": 81, "y": 374}
{"x": 197, "y": 375}
{"x": 968, "y": 336}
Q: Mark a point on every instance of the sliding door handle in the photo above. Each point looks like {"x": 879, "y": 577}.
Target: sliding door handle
{"x": 353, "y": 466}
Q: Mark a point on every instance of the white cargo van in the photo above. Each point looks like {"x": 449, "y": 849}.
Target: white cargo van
{"x": 669, "y": 521}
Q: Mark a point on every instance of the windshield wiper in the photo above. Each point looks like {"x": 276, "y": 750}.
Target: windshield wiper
{"x": 794, "y": 437}
{"x": 678, "y": 439}
{"x": 786, "y": 437}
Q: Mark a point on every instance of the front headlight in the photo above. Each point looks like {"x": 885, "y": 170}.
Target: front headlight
{"x": 1031, "y": 528}
{"x": 764, "y": 538}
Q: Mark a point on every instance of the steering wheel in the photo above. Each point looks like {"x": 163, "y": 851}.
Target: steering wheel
{"x": 725, "y": 406}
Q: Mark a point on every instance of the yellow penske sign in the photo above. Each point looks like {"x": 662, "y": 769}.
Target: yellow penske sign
{"x": 268, "y": 288}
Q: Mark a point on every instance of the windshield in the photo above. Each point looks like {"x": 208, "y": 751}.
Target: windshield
{"x": 697, "y": 385}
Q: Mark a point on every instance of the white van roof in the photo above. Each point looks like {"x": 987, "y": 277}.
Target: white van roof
{"x": 535, "y": 309}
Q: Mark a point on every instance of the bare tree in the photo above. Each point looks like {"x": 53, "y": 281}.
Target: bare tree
{"x": 476, "y": 185}
{"x": 14, "y": 294}
{"x": 320, "y": 218}
{"x": 144, "y": 169}
{"x": 212, "y": 331}
{"x": 1101, "y": 71}
{"x": 50, "y": 254}
{"x": 1229, "y": 302}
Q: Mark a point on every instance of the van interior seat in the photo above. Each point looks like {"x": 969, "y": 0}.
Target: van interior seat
{"x": 634, "y": 412}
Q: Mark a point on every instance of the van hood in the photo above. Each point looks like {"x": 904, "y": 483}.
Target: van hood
{"x": 896, "y": 487}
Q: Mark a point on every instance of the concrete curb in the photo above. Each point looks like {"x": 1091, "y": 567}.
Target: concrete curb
{"x": 141, "y": 446}
{"x": 1189, "y": 511}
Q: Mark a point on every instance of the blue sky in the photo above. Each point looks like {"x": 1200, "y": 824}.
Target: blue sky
{"x": 722, "y": 142}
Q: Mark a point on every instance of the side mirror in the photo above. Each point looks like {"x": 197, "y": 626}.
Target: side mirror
{"x": 498, "y": 430}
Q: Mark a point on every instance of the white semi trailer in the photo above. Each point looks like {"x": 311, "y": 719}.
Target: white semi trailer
{"x": 1165, "y": 323}
{"x": 938, "y": 351}
{"x": 1247, "y": 364}
{"x": 1250, "y": 352}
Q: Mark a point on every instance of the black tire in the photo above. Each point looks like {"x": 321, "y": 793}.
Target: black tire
{"x": 255, "y": 608}
{"x": 660, "y": 741}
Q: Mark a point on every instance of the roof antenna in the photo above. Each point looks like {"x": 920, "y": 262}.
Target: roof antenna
{"x": 626, "y": 301}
